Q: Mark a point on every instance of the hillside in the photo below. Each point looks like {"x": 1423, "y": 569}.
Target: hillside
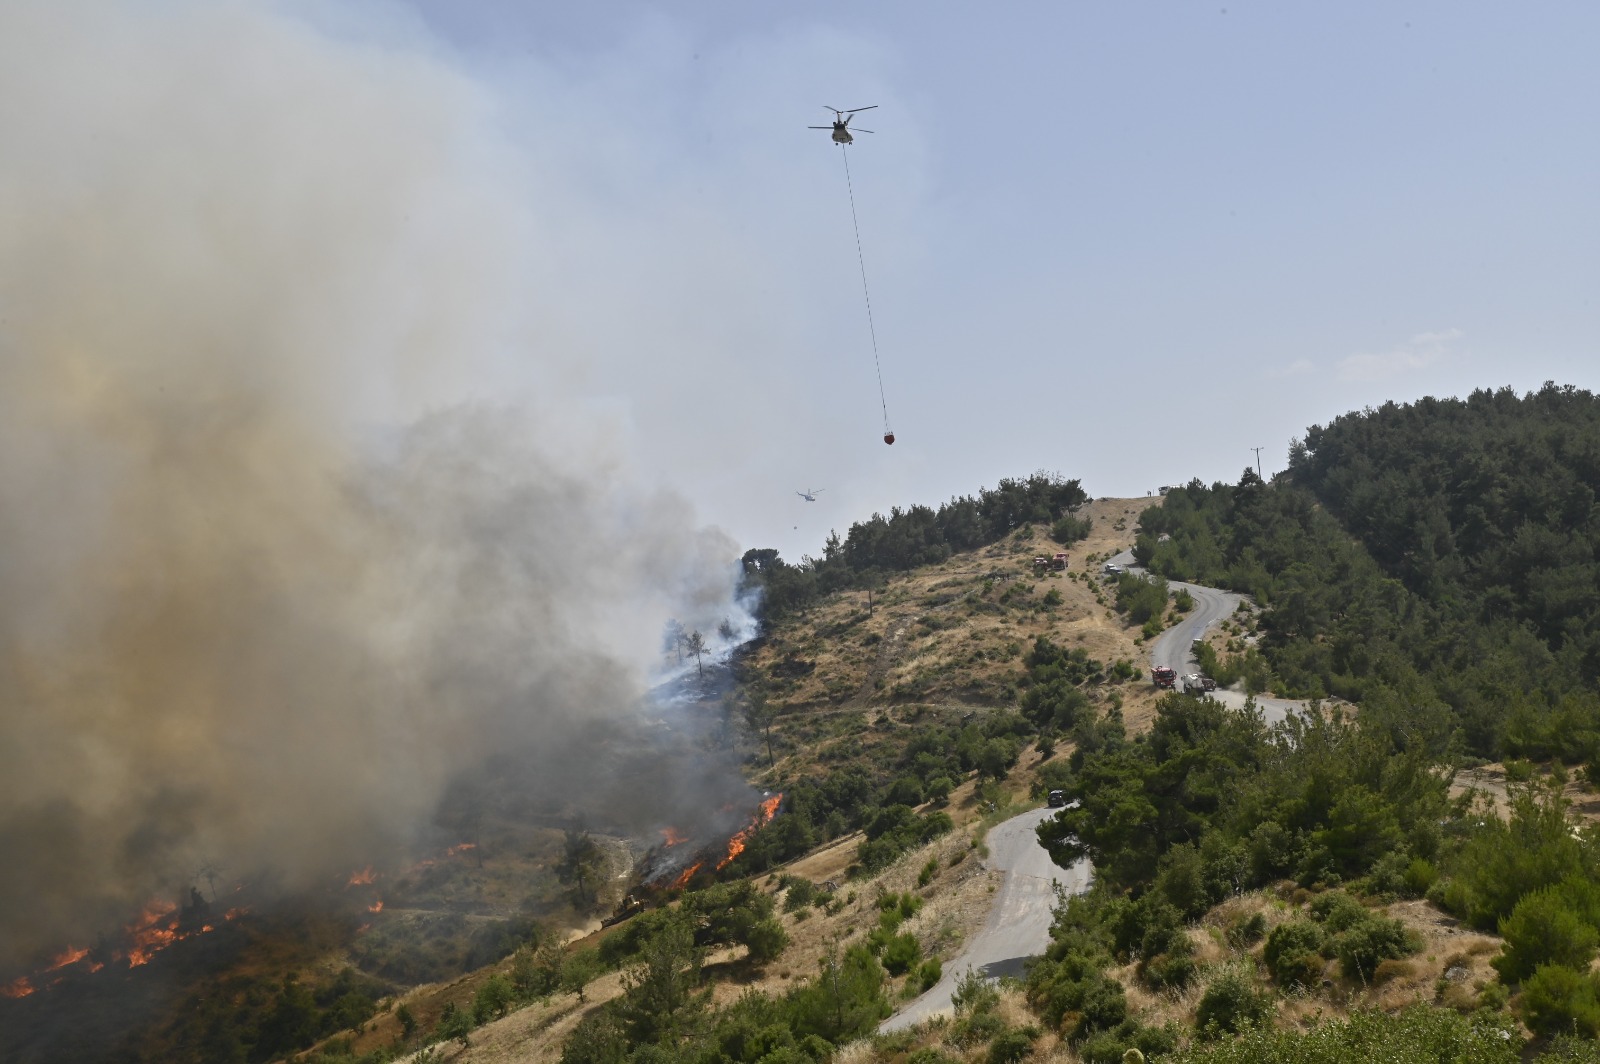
{"x": 1323, "y": 919}
{"x": 1340, "y": 881}
{"x": 1244, "y": 874}
{"x": 953, "y": 633}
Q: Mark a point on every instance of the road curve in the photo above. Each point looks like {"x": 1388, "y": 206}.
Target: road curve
{"x": 1173, "y": 648}
{"x": 1019, "y": 919}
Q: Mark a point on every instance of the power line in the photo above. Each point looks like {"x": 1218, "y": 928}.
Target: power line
{"x": 860, "y": 258}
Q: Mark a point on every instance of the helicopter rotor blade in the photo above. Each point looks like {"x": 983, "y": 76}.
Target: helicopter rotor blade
{"x": 853, "y": 110}
{"x": 819, "y": 127}
{"x": 858, "y": 129}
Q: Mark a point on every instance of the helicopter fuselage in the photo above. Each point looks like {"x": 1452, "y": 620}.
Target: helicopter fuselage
{"x": 841, "y": 135}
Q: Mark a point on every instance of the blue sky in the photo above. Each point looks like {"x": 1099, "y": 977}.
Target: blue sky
{"x": 1126, "y": 242}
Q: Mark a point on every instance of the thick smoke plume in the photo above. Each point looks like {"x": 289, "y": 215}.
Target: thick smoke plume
{"x": 279, "y": 553}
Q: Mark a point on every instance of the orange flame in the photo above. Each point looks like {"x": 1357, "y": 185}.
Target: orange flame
{"x": 688, "y": 874}
{"x": 362, "y": 878}
{"x": 460, "y": 848}
{"x": 376, "y": 907}
{"x": 768, "y": 810}
{"x": 71, "y": 956}
{"x": 156, "y": 929}
{"x": 673, "y": 837}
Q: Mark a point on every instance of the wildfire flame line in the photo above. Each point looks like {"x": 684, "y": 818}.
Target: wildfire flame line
{"x": 71, "y": 956}
{"x": 763, "y": 816}
{"x": 688, "y": 874}
{"x": 156, "y": 928}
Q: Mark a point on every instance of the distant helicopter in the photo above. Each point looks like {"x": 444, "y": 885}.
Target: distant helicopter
{"x": 810, "y": 494}
{"x": 841, "y": 124}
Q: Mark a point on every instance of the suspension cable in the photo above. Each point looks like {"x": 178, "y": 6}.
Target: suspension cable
{"x": 860, "y": 258}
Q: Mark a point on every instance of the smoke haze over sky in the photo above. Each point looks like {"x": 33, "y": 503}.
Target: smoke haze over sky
{"x": 300, "y": 515}
{"x": 375, "y": 376}
{"x": 1127, "y": 242}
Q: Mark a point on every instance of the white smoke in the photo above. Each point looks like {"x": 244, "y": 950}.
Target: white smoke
{"x": 299, "y": 515}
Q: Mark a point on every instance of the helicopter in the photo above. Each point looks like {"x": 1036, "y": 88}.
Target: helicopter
{"x": 810, "y": 494}
{"x": 841, "y": 124}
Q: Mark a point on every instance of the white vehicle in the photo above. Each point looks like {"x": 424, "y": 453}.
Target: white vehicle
{"x": 1113, "y": 569}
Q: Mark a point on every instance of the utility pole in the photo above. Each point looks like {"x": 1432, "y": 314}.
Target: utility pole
{"x": 1258, "y": 460}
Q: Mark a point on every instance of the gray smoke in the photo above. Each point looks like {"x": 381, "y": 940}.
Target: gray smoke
{"x": 297, "y": 519}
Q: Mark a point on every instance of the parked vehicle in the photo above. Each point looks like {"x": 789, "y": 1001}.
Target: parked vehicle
{"x": 1163, "y": 677}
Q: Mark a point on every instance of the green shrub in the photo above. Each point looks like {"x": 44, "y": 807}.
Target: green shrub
{"x": 907, "y": 791}
{"x": 1070, "y": 529}
{"x": 454, "y": 1025}
{"x": 492, "y": 1000}
{"x": 1231, "y": 1004}
{"x": 1010, "y": 1046}
{"x": 1560, "y": 1000}
{"x": 1542, "y": 930}
{"x": 976, "y": 1029}
{"x": 929, "y": 974}
{"x": 1388, "y": 875}
{"x": 1419, "y": 1034}
{"x": 1362, "y": 947}
{"x": 974, "y": 994}
{"x": 766, "y": 940}
{"x": 1337, "y": 911}
{"x": 798, "y": 893}
{"x": 901, "y": 952}
{"x": 1292, "y": 953}
{"x": 929, "y": 1055}
{"x": 1247, "y": 932}
{"x": 1420, "y": 877}
{"x": 1170, "y": 970}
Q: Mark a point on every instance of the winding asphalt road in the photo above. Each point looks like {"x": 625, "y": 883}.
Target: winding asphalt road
{"x": 1173, "y": 648}
{"x": 1019, "y": 920}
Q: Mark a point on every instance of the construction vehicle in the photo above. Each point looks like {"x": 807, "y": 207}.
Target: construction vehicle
{"x": 627, "y": 907}
{"x": 1196, "y": 684}
{"x": 1164, "y": 677}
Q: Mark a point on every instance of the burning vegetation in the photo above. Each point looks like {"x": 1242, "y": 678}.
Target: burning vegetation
{"x": 673, "y": 864}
